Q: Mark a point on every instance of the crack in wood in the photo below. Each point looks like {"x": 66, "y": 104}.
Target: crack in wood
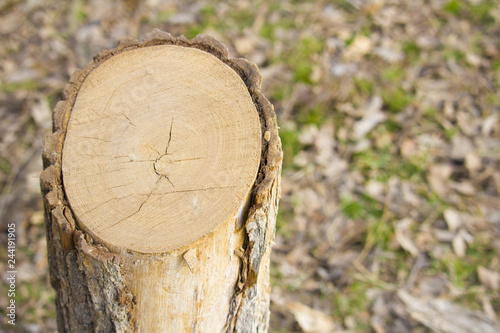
{"x": 188, "y": 159}
{"x": 99, "y": 205}
{"x": 169, "y": 136}
{"x": 91, "y": 137}
{"x": 104, "y": 172}
{"x": 140, "y": 207}
{"x": 197, "y": 189}
{"x": 121, "y": 185}
{"x": 130, "y": 121}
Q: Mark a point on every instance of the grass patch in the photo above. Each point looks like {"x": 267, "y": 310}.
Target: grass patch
{"x": 300, "y": 58}
{"x": 364, "y": 86}
{"x": 481, "y": 12}
{"x": 454, "y": 55}
{"x": 280, "y": 93}
{"x": 29, "y": 85}
{"x": 5, "y": 166}
{"x": 302, "y": 73}
{"x": 315, "y": 116}
{"x": 411, "y": 50}
{"x": 208, "y": 18}
{"x": 454, "y": 7}
{"x": 352, "y": 302}
{"x": 291, "y": 146}
{"x": 383, "y": 163}
{"x": 283, "y": 220}
{"x": 36, "y": 290}
{"x": 393, "y": 74}
{"x": 364, "y": 207}
{"x": 462, "y": 272}
{"x": 268, "y": 29}
{"x": 378, "y": 232}
{"x": 165, "y": 15}
{"x": 396, "y": 100}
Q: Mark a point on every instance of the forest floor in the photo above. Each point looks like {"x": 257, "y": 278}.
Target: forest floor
{"x": 390, "y": 123}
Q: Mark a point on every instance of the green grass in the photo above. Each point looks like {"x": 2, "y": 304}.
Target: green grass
{"x": 300, "y": 58}
{"x": 163, "y": 16}
{"x": 283, "y": 222}
{"x": 481, "y": 13}
{"x": 393, "y": 74}
{"x": 411, "y": 50}
{"x": 352, "y": 302}
{"x": 291, "y": 146}
{"x": 362, "y": 207}
{"x": 382, "y": 164}
{"x": 29, "y": 85}
{"x": 5, "y": 166}
{"x": 462, "y": 272}
{"x": 315, "y": 115}
{"x": 396, "y": 100}
{"x": 364, "y": 86}
{"x": 454, "y": 7}
{"x": 268, "y": 29}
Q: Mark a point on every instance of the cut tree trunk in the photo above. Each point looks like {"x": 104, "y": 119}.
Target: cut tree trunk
{"x": 161, "y": 184}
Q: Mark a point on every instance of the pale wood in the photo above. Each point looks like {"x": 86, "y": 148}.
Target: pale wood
{"x": 163, "y": 145}
{"x": 203, "y": 268}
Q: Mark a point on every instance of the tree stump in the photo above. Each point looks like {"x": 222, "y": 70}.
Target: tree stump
{"x": 161, "y": 184}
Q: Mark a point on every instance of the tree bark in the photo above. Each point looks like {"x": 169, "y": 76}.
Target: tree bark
{"x": 133, "y": 263}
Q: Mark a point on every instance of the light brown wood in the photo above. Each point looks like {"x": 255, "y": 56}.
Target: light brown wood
{"x": 163, "y": 145}
{"x": 161, "y": 187}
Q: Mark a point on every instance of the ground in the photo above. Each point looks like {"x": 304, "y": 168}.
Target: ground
{"x": 389, "y": 113}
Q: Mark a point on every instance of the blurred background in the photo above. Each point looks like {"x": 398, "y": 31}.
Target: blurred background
{"x": 389, "y": 114}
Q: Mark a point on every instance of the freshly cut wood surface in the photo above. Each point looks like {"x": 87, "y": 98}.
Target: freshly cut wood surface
{"x": 163, "y": 146}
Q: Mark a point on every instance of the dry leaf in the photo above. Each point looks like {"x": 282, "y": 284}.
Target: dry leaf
{"x": 442, "y": 316}
{"x": 459, "y": 246}
{"x": 461, "y": 146}
{"x": 403, "y": 236}
{"x": 464, "y": 187}
{"x": 408, "y": 148}
{"x": 311, "y": 320}
{"x": 360, "y": 46}
{"x": 473, "y": 162}
{"x": 372, "y": 117}
{"x": 489, "y": 278}
{"x": 488, "y": 307}
{"x": 438, "y": 177}
{"x": 489, "y": 123}
{"x": 452, "y": 218}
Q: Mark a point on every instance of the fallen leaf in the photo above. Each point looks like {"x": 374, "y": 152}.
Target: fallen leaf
{"x": 473, "y": 162}
{"x": 438, "y": 177}
{"x": 445, "y": 317}
{"x": 360, "y": 46}
{"x": 404, "y": 238}
{"x": 461, "y": 146}
{"x": 311, "y": 320}
{"x": 408, "y": 148}
{"x": 489, "y": 123}
{"x": 489, "y": 278}
{"x": 452, "y": 218}
{"x": 464, "y": 187}
{"x": 459, "y": 246}
{"x": 373, "y": 115}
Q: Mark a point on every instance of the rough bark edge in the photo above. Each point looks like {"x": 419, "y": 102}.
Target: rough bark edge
{"x": 73, "y": 253}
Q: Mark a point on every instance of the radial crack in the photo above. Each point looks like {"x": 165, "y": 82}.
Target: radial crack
{"x": 130, "y": 121}
{"x": 140, "y": 207}
{"x": 169, "y": 135}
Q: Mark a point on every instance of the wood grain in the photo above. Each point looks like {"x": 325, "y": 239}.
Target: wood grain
{"x": 163, "y": 145}
{"x": 213, "y": 281}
